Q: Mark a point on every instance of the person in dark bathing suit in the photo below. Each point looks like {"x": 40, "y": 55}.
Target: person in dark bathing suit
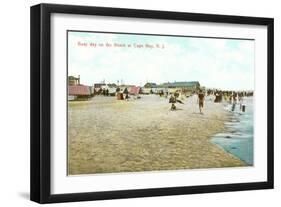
{"x": 173, "y": 100}
{"x": 201, "y": 98}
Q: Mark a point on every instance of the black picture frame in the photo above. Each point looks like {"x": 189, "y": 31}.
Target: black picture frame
{"x": 40, "y": 184}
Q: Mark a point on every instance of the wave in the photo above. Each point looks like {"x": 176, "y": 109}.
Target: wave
{"x": 238, "y": 138}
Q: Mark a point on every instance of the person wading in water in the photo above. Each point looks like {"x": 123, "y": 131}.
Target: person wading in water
{"x": 201, "y": 98}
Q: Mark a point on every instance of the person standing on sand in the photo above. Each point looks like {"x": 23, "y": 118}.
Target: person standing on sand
{"x": 201, "y": 99}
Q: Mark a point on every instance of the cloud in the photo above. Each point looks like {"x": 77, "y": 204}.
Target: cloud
{"x": 220, "y": 63}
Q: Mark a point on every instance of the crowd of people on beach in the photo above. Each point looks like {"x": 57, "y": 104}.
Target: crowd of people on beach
{"x": 231, "y": 97}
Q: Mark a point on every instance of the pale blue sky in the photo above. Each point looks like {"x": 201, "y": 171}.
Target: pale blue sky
{"x": 216, "y": 63}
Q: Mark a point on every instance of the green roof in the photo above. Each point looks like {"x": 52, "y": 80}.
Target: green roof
{"x": 182, "y": 84}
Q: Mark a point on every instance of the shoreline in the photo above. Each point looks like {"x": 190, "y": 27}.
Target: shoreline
{"x": 238, "y": 137}
{"x": 110, "y": 136}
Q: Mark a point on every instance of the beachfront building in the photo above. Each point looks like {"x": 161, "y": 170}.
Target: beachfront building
{"x": 73, "y": 81}
{"x": 78, "y": 92}
{"x": 111, "y": 87}
{"x": 146, "y": 90}
{"x": 171, "y": 87}
{"x": 125, "y": 88}
{"x": 99, "y": 85}
{"x": 98, "y": 88}
{"x": 150, "y": 85}
{"x": 108, "y": 89}
{"x": 186, "y": 85}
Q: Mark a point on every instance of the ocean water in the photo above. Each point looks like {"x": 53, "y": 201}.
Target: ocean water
{"x": 239, "y": 138}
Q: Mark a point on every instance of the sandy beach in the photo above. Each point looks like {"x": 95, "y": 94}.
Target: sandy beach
{"x": 106, "y": 135}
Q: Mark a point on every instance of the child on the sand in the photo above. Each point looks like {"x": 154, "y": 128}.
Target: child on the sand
{"x": 201, "y": 98}
{"x": 173, "y": 100}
